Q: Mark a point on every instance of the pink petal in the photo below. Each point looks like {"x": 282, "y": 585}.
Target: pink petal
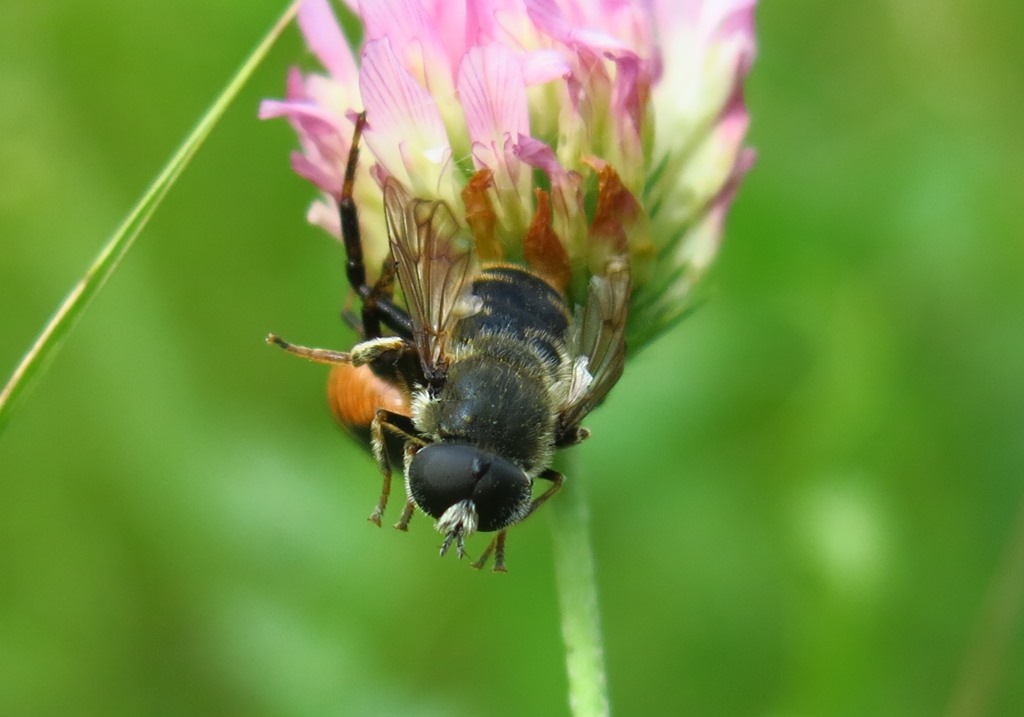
{"x": 481, "y": 25}
{"x": 324, "y": 176}
{"x": 738, "y": 18}
{"x": 720, "y": 204}
{"x": 296, "y": 84}
{"x": 549, "y": 18}
{"x": 312, "y": 123}
{"x": 324, "y": 150}
{"x": 324, "y": 37}
{"x": 709, "y": 21}
{"x": 414, "y": 40}
{"x": 506, "y": 22}
{"x": 503, "y": 21}
{"x": 564, "y": 184}
{"x": 540, "y": 155}
{"x": 734, "y": 121}
{"x": 313, "y": 117}
{"x": 449, "y": 20}
{"x": 611, "y": 26}
{"x": 629, "y": 94}
{"x": 708, "y": 53}
{"x": 269, "y": 109}
{"x": 300, "y": 104}
{"x": 543, "y": 66}
{"x": 566, "y": 196}
{"x": 324, "y": 214}
{"x": 702, "y": 241}
{"x": 493, "y": 94}
{"x": 400, "y": 112}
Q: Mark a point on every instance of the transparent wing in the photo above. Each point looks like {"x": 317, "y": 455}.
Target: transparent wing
{"x": 598, "y": 344}
{"x": 436, "y": 267}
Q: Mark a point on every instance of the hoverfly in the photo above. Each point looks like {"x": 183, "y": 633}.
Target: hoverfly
{"x": 478, "y": 378}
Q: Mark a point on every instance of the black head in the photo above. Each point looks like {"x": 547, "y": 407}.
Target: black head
{"x": 467, "y": 489}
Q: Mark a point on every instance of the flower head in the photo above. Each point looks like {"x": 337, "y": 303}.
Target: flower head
{"x": 556, "y": 130}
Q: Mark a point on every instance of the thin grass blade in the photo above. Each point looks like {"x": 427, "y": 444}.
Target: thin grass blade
{"x": 109, "y": 258}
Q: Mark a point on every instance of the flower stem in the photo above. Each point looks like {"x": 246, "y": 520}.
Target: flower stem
{"x": 577, "y": 597}
{"x": 110, "y": 256}
{"x": 997, "y": 626}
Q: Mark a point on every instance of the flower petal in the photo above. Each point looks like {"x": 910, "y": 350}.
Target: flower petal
{"x": 504, "y": 21}
{"x": 708, "y": 49}
{"x": 323, "y": 35}
{"x": 543, "y": 66}
{"x": 540, "y": 155}
{"x": 404, "y": 128}
{"x": 448, "y": 20}
{"x": 649, "y": 90}
{"x": 610, "y": 26}
{"x": 324, "y": 141}
{"x": 320, "y": 173}
{"x": 493, "y": 95}
{"x": 700, "y": 249}
{"x": 566, "y": 197}
{"x": 414, "y": 40}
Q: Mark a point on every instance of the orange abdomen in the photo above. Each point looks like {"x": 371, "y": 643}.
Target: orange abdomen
{"x": 355, "y": 393}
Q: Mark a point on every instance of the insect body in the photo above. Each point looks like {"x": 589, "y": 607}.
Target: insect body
{"x": 492, "y": 422}
{"x": 487, "y": 371}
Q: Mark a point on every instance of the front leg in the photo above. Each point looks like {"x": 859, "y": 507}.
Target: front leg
{"x": 556, "y": 479}
{"x": 401, "y": 426}
{"x": 378, "y": 305}
{"x": 324, "y": 356}
{"x": 410, "y": 504}
{"x": 497, "y": 545}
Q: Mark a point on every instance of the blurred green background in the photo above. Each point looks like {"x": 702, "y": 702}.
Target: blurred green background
{"x": 804, "y": 499}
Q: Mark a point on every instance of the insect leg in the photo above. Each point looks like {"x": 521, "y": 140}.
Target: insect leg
{"x": 382, "y": 292}
{"x": 391, "y": 357}
{"x": 410, "y": 504}
{"x": 402, "y": 427}
{"x": 326, "y": 356}
{"x": 556, "y": 479}
{"x": 496, "y": 546}
{"x": 378, "y": 306}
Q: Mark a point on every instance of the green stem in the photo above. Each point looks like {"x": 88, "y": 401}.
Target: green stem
{"x": 109, "y": 258}
{"x": 994, "y": 635}
{"x": 577, "y": 596}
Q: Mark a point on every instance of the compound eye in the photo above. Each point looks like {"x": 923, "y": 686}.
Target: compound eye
{"x": 502, "y": 496}
{"x": 443, "y": 474}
